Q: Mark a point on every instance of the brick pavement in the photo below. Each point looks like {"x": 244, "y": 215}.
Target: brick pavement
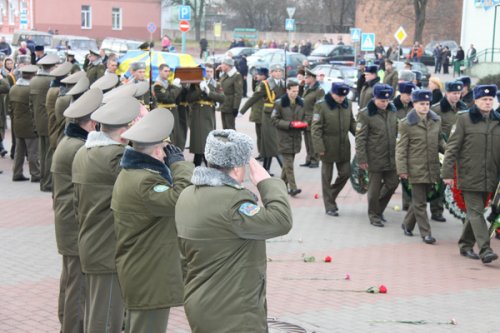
{"x": 430, "y": 283}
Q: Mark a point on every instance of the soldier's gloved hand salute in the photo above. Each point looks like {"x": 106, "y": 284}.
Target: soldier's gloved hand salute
{"x": 174, "y": 154}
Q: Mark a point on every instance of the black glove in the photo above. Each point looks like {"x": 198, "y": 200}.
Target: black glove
{"x": 174, "y": 154}
{"x": 235, "y": 113}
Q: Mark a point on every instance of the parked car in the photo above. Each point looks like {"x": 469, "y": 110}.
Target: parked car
{"x": 452, "y": 45}
{"x": 119, "y": 46}
{"x": 293, "y": 62}
{"x": 332, "y": 54}
{"x": 39, "y": 37}
{"x": 254, "y": 59}
{"x": 427, "y": 58}
{"x": 334, "y": 73}
{"x": 237, "y": 53}
{"x": 416, "y": 66}
{"x": 78, "y": 44}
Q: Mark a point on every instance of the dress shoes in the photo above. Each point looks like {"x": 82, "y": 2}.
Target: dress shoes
{"x": 3, "y": 152}
{"x": 489, "y": 257}
{"x": 294, "y": 192}
{"x": 406, "y": 231}
{"x": 259, "y": 158}
{"x": 314, "y": 165}
{"x": 20, "y": 179}
{"x": 382, "y": 218}
{"x": 470, "y": 254}
{"x": 438, "y": 218}
{"x": 35, "y": 179}
{"x": 332, "y": 212}
{"x": 377, "y": 223}
{"x": 306, "y": 165}
{"x": 429, "y": 239}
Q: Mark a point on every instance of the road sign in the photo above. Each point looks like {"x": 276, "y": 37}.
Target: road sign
{"x": 290, "y": 11}
{"x": 217, "y": 29}
{"x": 290, "y": 25}
{"x": 400, "y": 35}
{"x": 355, "y": 34}
{"x": 184, "y": 13}
{"x": 368, "y": 42}
{"x": 151, "y": 27}
{"x": 184, "y": 26}
{"x": 23, "y": 21}
{"x": 245, "y": 33}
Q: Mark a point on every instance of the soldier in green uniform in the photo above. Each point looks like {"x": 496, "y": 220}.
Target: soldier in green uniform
{"x": 289, "y": 117}
{"x": 72, "y": 283}
{"x": 39, "y": 86}
{"x": 24, "y": 126}
{"x": 223, "y": 245}
{"x": 312, "y": 93}
{"x": 376, "y": 132}
{"x": 4, "y": 91}
{"x": 256, "y": 102}
{"x": 390, "y": 75}
{"x": 417, "y": 160}
{"x": 371, "y": 79}
{"x": 231, "y": 84}
{"x": 467, "y": 93}
{"x": 332, "y": 121}
{"x": 95, "y": 67}
{"x": 448, "y": 109}
{"x": 147, "y": 257}
{"x": 138, "y": 71}
{"x": 473, "y": 148}
{"x": 95, "y": 169}
{"x": 202, "y": 98}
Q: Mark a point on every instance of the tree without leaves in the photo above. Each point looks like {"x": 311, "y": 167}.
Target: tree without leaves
{"x": 420, "y": 11}
{"x": 197, "y": 12}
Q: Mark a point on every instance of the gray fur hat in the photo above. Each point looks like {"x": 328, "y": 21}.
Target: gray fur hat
{"x": 406, "y": 75}
{"x": 228, "y": 148}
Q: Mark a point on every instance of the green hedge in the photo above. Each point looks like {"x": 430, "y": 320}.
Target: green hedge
{"x": 490, "y": 79}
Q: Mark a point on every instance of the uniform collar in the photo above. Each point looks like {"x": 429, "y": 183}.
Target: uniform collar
{"x": 133, "y": 159}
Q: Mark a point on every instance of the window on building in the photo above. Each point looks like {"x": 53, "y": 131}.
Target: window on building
{"x": 86, "y": 17}
{"x": 116, "y": 19}
{"x": 13, "y": 9}
{"x": 3, "y": 10}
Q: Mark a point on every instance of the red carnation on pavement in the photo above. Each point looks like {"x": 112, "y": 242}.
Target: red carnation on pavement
{"x": 316, "y": 196}
{"x": 328, "y": 259}
{"x": 382, "y": 289}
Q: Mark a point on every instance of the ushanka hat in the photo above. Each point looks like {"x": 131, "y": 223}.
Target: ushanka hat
{"x": 454, "y": 86}
{"x": 421, "y": 95}
{"x": 485, "y": 90}
{"x": 382, "y": 91}
{"x": 340, "y": 89}
{"x": 228, "y": 148}
{"x": 406, "y": 87}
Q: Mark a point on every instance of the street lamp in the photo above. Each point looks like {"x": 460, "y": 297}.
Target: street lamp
{"x": 494, "y": 30}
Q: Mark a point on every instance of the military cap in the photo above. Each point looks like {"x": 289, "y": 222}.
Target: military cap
{"x": 94, "y": 52}
{"x": 126, "y": 90}
{"x": 407, "y": 63}
{"x": 70, "y": 53}
{"x": 153, "y": 128}
{"x": 29, "y": 69}
{"x": 85, "y": 105}
{"x": 310, "y": 73}
{"x": 49, "y": 59}
{"x": 263, "y": 71}
{"x": 228, "y": 61}
{"x": 144, "y": 46}
{"x": 119, "y": 111}
{"x": 138, "y": 65}
{"x": 228, "y": 148}
{"x": 73, "y": 78}
{"x": 382, "y": 91}
{"x": 371, "y": 69}
{"x": 340, "y": 89}
{"x": 454, "y": 86}
{"x": 406, "y": 87}
{"x": 485, "y": 90}
{"x": 465, "y": 80}
{"x": 39, "y": 48}
{"x": 141, "y": 88}
{"x": 275, "y": 67}
{"x": 301, "y": 72}
{"x": 362, "y": 62}
{"x": 2, "y": 56}
{"x": 421, "y": 95}
{"x": 406, "y": 75}
{"x": 80, "y": 87}
{"x": 22, "y": 59}
{"x": 106, "y": 82}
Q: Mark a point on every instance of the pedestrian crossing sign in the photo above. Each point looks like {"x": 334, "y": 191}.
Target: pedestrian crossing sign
{"x": 355, "y": 34}
{"x": 289, "y": 24}
{"x": 368, "y": 42}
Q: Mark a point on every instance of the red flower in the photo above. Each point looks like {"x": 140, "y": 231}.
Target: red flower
{"x": 328, "y": 259}
{"x": 382, "y": 289}
{"x": 316, "y": 196}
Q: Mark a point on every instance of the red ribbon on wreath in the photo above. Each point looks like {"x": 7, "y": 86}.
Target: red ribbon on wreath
{"x": 458, "y": 195}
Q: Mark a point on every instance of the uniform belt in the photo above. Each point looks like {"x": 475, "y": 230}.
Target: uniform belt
{"x": 205, "y": 103}
{"x": 183, "y": 103}
{"x": 166, "y": 106}
{"x": 270, "y": 105}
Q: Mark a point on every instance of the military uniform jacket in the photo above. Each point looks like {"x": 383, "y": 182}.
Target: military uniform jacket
{"x": 24, "y": 125}
{"x": 95, "y": 169}
{"x": 468, "y": 99}
{"x": 331, "y": 125}
{"x": 232, "y": 87}
{"x": 376, "y": 132}
{"x": 310, "y": 97}
{"x": 62, "y": 103}
{"x": 148, "y": 261}
{"x": 448, "y": 114}
{"x": 50, "y": 106}
{"x": 417, "y": 149}
{"x": 4, "y": 90}
{"x": 66, "y": 223}
{"x": 202, "y": 116}
{"x": 256, "y": 102}
{"x": 289, "y": 139}
{"x": 39, "y": 86}
{"x": 367, "y": 93}
{"x": 391, "y": 78}
{"x": 94, "y": 72}
{"x": 166, "y": 95}
{"x": 402, "y": 109}
{"x": 269, "y": 133}
{"x": 473, "y": 145}
{"x": 222, "y": 232}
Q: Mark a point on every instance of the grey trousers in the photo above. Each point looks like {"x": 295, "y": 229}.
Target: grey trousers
{"x": 72, "y": 290}
{"x": 475, "y": 229}
{"x": 147, "y": 321}
{"x": 29, "y": 148}
{"x": 417, "y": 212}
{"x": 104, "y": 306}
{"x": 331, "y": 191}
{"x": 381, "y": 187}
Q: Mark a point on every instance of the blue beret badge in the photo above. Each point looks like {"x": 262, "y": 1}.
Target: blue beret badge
{"x": 249, "y": 209}
{"x": 160, "y": 188}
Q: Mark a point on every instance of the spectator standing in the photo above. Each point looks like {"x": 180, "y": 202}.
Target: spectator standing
{"x": 445, "y": 60}
{"x": 165, "y": 43}
{"x": 203, "y": 47}
{"x": 471, "y": 55}
{"x": 438, "y": 58}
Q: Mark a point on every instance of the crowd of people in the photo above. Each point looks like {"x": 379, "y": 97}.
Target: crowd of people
{"x": 141, "y": 230}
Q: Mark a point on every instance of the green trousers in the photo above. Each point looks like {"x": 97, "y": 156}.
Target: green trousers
{"x": 228, "y": 121}
{"x": 331, "y": 191}
{"x": 381, "y": 187}
{"x": 45, "y": 155}
{"x": 72, "y": 290}
{"x": 311, "y": 155}
{"x": 287, "y": 173}
{"x": 475, "y": 229}
{"x": 417, "y": 211}
{"x": 147, "y": 321}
